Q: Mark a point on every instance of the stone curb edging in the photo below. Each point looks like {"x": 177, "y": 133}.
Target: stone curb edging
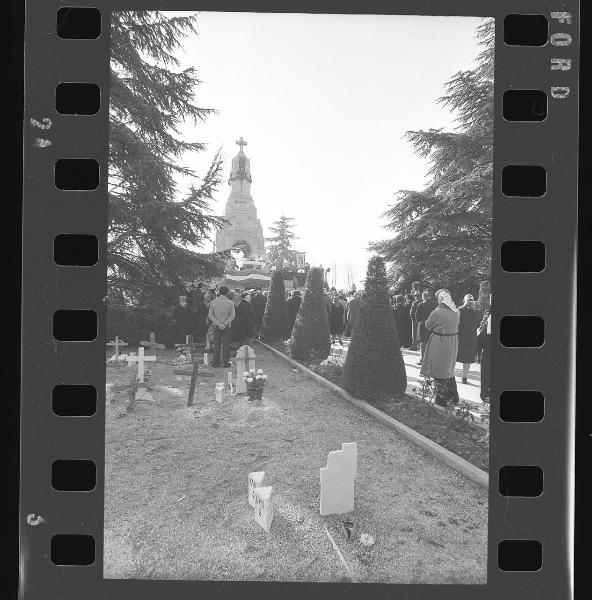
{"x": 462, "y": 466}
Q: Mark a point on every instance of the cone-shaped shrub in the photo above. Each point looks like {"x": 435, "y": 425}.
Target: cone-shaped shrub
{"x": 310, "y": 336}
{"x": 275, "y": 319}
{"x": 374, "y": 368}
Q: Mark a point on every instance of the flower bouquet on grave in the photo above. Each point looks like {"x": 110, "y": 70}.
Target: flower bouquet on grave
{"x": 181, "y": 358}
{"x": 428, "y": 389}
{"x": 255, "y": 381}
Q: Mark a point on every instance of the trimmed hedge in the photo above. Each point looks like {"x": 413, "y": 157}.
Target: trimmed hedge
{"x": 374, "y": 368}
{"x": 311, "y": 340}
{"x": 274, "y": 318}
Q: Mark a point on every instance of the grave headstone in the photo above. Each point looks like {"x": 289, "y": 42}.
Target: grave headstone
{"x": 263, "y": 508}
{"x": 255, "y": 480}
{"x": 337, "y": 480}
{"x": 152, "y": 343}
{"x": 130, "y": 359}
{"x": 245, "y": 360}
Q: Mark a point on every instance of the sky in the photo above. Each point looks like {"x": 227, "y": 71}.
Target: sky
{"x": 323, "y": 102}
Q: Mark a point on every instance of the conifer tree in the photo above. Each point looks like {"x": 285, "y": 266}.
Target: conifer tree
{"x": 275, "y": 318}
{"x": 153, "y": 234}
{"x": 443, "y": 233}
{"x": 280, "y": 246}
{"x": 374, "y": 368}
{"x": 310, "y": 337}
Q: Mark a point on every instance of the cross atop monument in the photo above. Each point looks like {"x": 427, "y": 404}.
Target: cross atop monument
{"x": 241, "y": 143}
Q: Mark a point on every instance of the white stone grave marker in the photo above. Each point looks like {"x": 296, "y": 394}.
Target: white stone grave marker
{"x": 140, "y": 360}
{"x": 219, "y": 392}
{"x": 263, "y": 508}
{"x": 337, "y": 480}
{"x": 130, "y": 359}
{"x": 245, "y": 360}
{"x": 255, "y": 480}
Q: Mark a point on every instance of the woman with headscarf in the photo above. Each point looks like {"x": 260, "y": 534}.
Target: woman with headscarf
{"x": 402, "y": 321}
{"x": 243, "y": 326}
{"x": 440, "y": 354}
{"x": 470, "y": 318}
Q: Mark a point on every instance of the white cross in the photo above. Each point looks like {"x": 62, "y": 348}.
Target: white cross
{"x": 140, "y": 360}
{"x": 152, "y": 343}
{"x": 116, "y": 343}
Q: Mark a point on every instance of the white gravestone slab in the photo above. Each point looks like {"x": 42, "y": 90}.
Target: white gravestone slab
{"x": 337, "y": 480}
{"x": 245, "y": 360}
{"x": 255, "y": 480}
{"x": 263, "y": 508}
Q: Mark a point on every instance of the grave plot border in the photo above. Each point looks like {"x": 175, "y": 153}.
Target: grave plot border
{"x": 458, "y": 464}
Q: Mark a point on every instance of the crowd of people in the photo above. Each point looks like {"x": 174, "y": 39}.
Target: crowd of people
{"x": 443, "y": 333}
{"x": 219, "y": 317}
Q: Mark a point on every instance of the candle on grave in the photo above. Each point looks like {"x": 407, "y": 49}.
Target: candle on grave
{"x": 219, "y": 392}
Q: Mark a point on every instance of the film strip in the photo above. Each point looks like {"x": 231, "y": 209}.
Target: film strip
{"x": 533, "y": 323}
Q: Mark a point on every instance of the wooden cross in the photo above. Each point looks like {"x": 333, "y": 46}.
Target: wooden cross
{"x": 116, "y": 343}
{"x": 241, "y": 143}
{"x": 152, "y": 343}
{"x": 189, "y": 346}
{"x": 140, "y": 360}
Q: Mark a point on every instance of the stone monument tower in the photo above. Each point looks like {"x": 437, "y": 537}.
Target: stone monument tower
{"x": 245, "y": 231}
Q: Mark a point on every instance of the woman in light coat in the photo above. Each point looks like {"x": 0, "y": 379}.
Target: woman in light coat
{"x": 440, "y": 354}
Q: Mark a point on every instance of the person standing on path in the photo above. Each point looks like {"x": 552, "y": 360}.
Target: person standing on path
{"x": 292, "y": 308}
{"x": 353, "y": 311}
{"x": 258, "y": 302}
{"x": 221, "y": 314}
{"x": 337, "y": 319}
{"x": 468, "y": 323}
{"x": 402, "y": 321}
{"x": 440, "y": 353}
{"x": 424, "y": 310}
{"x": 484, "y": 343}
{"x": 414, "y": 337}
{"x": 243, "y": 326}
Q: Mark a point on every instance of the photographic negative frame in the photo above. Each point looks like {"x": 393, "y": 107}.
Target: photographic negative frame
{"x": 537, "y": 527}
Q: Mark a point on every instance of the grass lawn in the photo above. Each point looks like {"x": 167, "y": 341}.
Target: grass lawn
{"x": 176, "y": 489}
{"x": 453, "y": 434}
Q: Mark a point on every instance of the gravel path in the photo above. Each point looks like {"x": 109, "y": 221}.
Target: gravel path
{"x": 176, "y": 489}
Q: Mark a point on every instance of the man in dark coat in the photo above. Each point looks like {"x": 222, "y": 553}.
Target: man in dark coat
{"x": 413, "y": 310}
{"x": 424, "y": 310}
{"x": 258, "y": 302}
{"x": 353, "y": 311}
{"x": 182, "y": 315}
{"x": 292, "y": 307}
{"x": 402, "y": 321}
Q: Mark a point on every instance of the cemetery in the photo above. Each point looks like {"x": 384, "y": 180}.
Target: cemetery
{"x": 297, "y": 486}
{"x": 266, "y": 418}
